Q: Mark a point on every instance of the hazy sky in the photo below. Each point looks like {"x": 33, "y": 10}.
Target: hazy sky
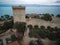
{"x": 41, "y": 2}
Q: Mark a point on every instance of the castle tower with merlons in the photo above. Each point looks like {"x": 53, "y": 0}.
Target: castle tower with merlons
{"x": 19, "y": 13}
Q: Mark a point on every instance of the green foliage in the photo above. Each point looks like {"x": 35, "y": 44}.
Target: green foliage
{"x": 36, "y": 42}
{"x": 58, "y": 42}
{"x": 30, "y": 26}
{"x": 52, "y": 14}
{"x": 27, "y": 16}
{"x": 42, "y": 27}
{"x": 7, "y": 24}
{"x": 37, "y": 16}
{"x": 31, "y": 43}
{"x": 34, "y": 32}
{"x": 13, "y": 38}
{"x": 58, "y": 15}
{"x": 8, "y": 40}
{"x": 47, "y": 17}
{"x": 38, "y": 32}
{"x": 39, "y": 42}
{"x": 48, "y": 27}
{"x": 20, "y": 26}
{"x": 49, "y": 32}
{"x": 36, "y": 26}
{"x": 6, "y": 17}
{"x": 1, "y": 42}
{"x": 2, "y": 18}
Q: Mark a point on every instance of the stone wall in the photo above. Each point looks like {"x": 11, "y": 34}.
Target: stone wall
{"x": 40, "y": 22}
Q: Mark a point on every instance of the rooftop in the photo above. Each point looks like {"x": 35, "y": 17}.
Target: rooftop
{"x": 18, "y": 7}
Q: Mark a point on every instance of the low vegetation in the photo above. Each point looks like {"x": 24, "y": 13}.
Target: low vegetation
{"x": 58, "y": 15}
{"x": 7, "y": 23}
{"x": 42, "y": 32}
{"x": 47, "y": 17}
{"x": 36, "y": 42}
{"x": 20, "y": 26}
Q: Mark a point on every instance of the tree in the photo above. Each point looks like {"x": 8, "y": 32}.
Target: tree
{"x": 52, "y": 14}
{"x": 1, "y": 42}
{"x": 42, "y": 27}
{"x": 6, "y": 17}
{"x": 2, "y": 17}
{"x": 20, "y": 26}
{"x": 48, "y": 27}
{"x": 13, "y": 38}
{"x": 11, "y": 18}
{"x": 31, "y": 43}
{"x": 47, "y": 17}
{"x": 36, "y": 26}
{"x": 58, "y": 15}
{"x": 7, "y": 25}
{"x": 39, "y": 42}
{"x": 37, "y": 16}
{"x": 58, "y": 42}
{"x": 27, "y": 16}
{"x": 30, "y": 26}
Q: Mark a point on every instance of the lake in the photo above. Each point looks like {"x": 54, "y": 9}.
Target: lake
{"x": 37, "y": 10}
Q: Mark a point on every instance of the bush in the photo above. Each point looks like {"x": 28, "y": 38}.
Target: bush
{"x": 30, "y": 26}
{"x": 13, "y": 38}
{"x": 27, "y": 16}
{"x": 36, "y": 26}
{"x": 39, "y": 42}
{"x": 8, "y": 40}
{"x": 58, "y": 15}
{"x": 1, "y": 42}
{"x": 20, "y": 26}
{"x": 47, "y": 17}
{"x": 31, "y": 43}
{"x": 37, "y": 16}
{"x": 42, "y": 27}
{"x": 48, "y": 27}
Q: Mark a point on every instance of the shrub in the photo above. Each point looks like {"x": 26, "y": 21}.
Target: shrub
{"x": 48, "y": 27}
{"x": 39, "y": 42}
{"x": 42, "y": 27}
{"x": 30, "y": 26}
{"x": 47, "y": 17}
{"x": 27, "y": 16}
{"x": 20, "y": 26}
{"x": 58, "y": 15}
{"x": 36, "y": 26}
{"x": 31, "y": 43}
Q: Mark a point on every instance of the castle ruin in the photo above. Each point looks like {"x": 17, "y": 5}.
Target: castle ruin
{"x": 19, "y": 14}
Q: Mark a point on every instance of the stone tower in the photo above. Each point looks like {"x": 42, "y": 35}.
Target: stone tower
{"x": 19, "y": 14}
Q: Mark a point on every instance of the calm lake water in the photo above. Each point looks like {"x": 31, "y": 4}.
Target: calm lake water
{"x": 42, "y": 10}
{"x": 29, "y": 10}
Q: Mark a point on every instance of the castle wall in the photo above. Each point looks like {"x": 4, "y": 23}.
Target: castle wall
{"x": 40, "y": 22}
{"x": 19, "y": 16}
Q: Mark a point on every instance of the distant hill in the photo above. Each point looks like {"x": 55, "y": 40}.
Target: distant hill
{"x": 31, "y": 5}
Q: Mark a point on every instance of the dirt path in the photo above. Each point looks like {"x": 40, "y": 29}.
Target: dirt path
{"x": 27, "y": 39}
